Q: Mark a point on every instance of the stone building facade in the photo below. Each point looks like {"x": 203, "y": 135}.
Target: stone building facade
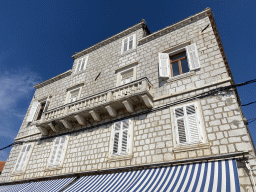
{"x": 136, "y": 99}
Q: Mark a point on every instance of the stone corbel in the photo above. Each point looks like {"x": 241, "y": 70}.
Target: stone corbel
{"x": 147, "y": 100}
{"x": 112, "y": 112}
{"x": 95, "y": 115}
{"x": 43, "y": 130}
{"x": 66, "y": 124}
{"x": 54, "y": 127}
{"x": 80, "y": 119}
{"x": 128, "y": 106}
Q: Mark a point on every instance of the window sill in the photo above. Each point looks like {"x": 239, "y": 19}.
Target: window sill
{"x": 53, "y": 168}
{"x": 188, "y": 74}
{"x": 119, "y": 158}
{"x": 191, "y": 147}
{"x": 127, "y": 52}
{"x": 17, "y": 173}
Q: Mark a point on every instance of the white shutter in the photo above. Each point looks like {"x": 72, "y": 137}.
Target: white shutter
{"x": 74, "y": 96}
{"x": 125, "y": 44}
{"x": 23, "y": 158}
{"x": 33, "y": 111}
{"x": 58, "y": 151}
{"x": 124, "y": 136}
{"x": 192, "y": 55}
{"x": 134, "y": 41}
{"x": 46, "y": 104}
{"x": 116, "y": 136}
{"x": 85, "y": 62}
{"x": 78, "y": 65}
{"x": 181, "y": 133}
{"x": 164, "y": 65}
{"x": 192, "y": 124}
{"x": 130, "y": 42}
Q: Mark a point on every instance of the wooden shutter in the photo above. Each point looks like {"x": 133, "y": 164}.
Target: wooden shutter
{"x": 33, "y": 111}
{"x": 78, "y": 65}
{"x": 134, "y": 41}
{"x": 85, "y": 62}
{"x": 192, "y": 55}
{"x": 23, "y": 158}
{"x": 192, "y": 124}
{"x": 181, "y": 133}
{"x": 58, "y": 151}
{"x": 164, "y": 65}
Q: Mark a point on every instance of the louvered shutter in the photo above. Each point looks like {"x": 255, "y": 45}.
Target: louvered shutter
{"x": 134, "y": 41}
{"x": 116, "y": 136}
{"x": 58, "y": 151}
{"x": 33, "y": 111}
{"x": 192, "y": 124}
{"x": 46, "y": 104}
{"x": 125, "y": 44}
{"x": 78, "y": 65}
{"x": 164, "y": 65}
{"x": 124, "y": 136}
{"x": 23, "y": 159}
{"x": 192, "y": 55}
{"x": 130, "y": 42}
{"x": 181, "y": 133}
{"x": 85, "y": 62}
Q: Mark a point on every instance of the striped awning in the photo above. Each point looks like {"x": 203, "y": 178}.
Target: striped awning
{"x": 218, "y": 176}
{"x": 44, "y": 186}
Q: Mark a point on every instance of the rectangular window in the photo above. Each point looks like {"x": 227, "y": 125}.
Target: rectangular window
{"x": 58, "y": 151}
{"x": 121, "y": 139}
{"x": 128, "y": 43}
{"x": 178, "y": 62}
{"x": 74, "y": 95}
{"x": 81, "y": 64}
{"x": 23, "y": 158}
{"x": 127, "y": 77}
{"x": 187, "y": 126}
{"x": 37, "y": 109}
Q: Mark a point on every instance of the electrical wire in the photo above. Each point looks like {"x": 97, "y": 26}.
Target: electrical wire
{"x": 198, "y": 96}
{"x": 248, "y": 104}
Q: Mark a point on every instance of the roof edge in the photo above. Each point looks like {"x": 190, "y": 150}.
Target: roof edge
{"x": 55, "y": 78}
{"x": 110, "y": 39}
{"x": 175, "y": 26}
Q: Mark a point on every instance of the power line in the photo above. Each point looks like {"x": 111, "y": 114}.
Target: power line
{"x": 249, "y": 103}
{"x": 199, "y": 96}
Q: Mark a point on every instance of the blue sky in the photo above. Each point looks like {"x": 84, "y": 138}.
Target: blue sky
{"x": 37, "y": 39}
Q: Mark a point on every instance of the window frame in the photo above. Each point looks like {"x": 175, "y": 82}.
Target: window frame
{"x": 201, "y": 127}
{"x": 126, "y": 69}
{"x": 179, "y": 63}
{"x": 128, "y": 44}
{"x": 60, "y": 165}
{"x": 85, "y": 58}
{"x": 120, "y": 156}
{"x": 14, "y": 172}
{"x": 36, "y": 109}
{"x": 70, "y": 90}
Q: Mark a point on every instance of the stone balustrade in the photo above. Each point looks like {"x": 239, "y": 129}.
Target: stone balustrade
{"x": 124, "y": 96}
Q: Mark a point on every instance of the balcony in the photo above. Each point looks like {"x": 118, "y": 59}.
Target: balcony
{"x": 124, "y": 97}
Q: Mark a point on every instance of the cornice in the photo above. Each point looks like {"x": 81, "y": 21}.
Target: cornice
{"x": 175, "y": 26}
{"x": 110, "y": 39}
{"x": 60, "y": 76}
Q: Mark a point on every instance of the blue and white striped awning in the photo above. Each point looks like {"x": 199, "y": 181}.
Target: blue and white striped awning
{"x": 44, "y": 186}
{"x": 217, "y": 176}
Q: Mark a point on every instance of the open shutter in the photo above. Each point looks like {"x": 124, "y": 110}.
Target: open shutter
{"x": 134, "y": 41}
{"x": 164, "y": 65}
{"x": 33, "y": 111}
{"x": 116, "y": 136}
{"x": 46, "y": 104}
{"x": 85, "y": 62}
{"x": 192, "y": 55}
{"x": 192, "y": 124}
{"x": 181, "y": 133}
{"x": 124, "y": 138}
{"x": 78, "y": 65}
